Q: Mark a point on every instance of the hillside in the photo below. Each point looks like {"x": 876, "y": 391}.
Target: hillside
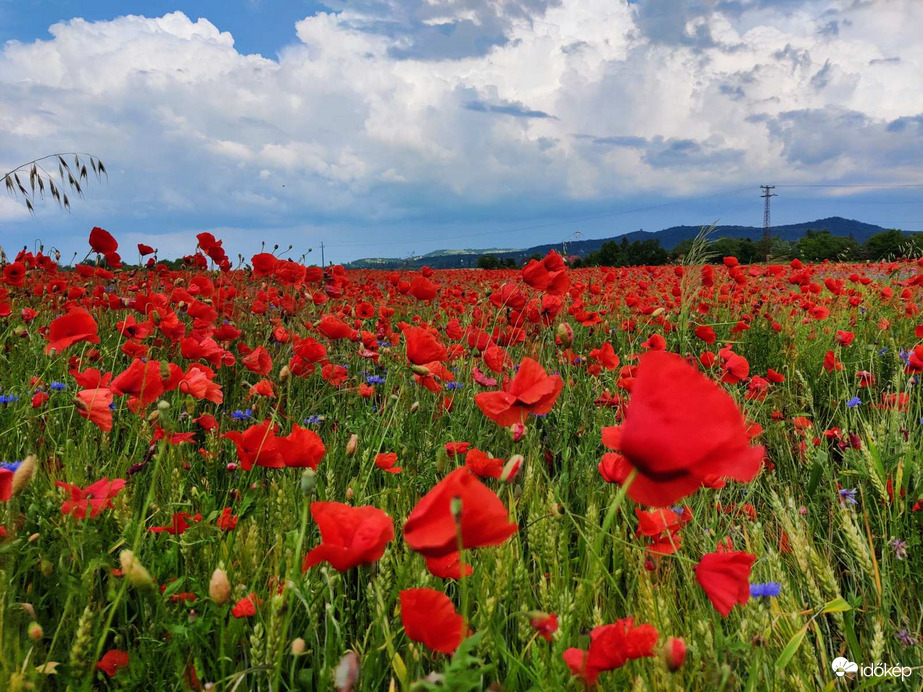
{"x": 668, "y": 238}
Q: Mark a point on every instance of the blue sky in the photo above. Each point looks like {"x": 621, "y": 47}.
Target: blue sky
{"x": 384, "y": 127}
{"x": 258, "y": 26}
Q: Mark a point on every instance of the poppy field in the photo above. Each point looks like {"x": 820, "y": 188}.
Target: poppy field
{"x": 273, "y": 476}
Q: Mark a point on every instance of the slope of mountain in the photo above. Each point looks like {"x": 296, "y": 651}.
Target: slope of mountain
{"x": 668, "y": 237}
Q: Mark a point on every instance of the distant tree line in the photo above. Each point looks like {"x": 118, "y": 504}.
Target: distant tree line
{"x": 494, "y": 262}
{"x": 814, "y": 246}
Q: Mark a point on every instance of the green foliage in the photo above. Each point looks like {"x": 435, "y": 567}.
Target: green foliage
{"x": 816, "y": 246}
{"x": 893, "y": 244}
{"x": 494, "y": 262}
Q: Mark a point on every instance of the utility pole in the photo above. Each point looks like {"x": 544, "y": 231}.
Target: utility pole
{"x": 322, "y": 265}
{"x": 767, "y": 239}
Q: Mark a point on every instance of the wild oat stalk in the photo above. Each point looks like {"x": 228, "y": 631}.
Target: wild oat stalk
{"x": 30, "y": 179}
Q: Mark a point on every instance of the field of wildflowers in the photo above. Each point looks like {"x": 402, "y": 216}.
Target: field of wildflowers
{"x": 278, "y": 477}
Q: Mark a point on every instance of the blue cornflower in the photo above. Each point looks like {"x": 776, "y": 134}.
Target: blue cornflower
{"x": 771, "y": 589}
{"x": 454, "y": 385}
{"x": 883, "y": 351}
{"x": 8, "y": 398}
{"x": 314, "y": 420}
{"x": 849, "y": 496}
{"x": 855, "y": 401}
{"x": 58, "y": 386}
{"x": 904, "y": 357}
{"x": 374, "y": 379}
{"x": 242, "y": 415}
{"x": 10, "y": 465}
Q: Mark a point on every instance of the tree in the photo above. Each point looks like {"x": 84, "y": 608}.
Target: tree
{"x": 611, "y": 254}
{"x": 38, "y": 177}
{"x": 892, "y": 244}
{"x": 816, "y": 246}
{"x": 646, "y": 253}
{"x": 488, "y": 262}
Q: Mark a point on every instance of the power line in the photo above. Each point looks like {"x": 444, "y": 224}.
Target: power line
{"x": 876, "y": 185}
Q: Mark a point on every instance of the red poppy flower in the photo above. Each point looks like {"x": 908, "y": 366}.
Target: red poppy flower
{"x": 447, "y": 567}
{"x": 198, "y": 382}
{"x": 605, "y": 356}
{"x": 257, "y": 445}
{"x": 387, "y": 461}
{"x": 142, "y": 381}
{"x": 335, "y": 328}
{"x": 76, "y": 325}
{"x": 482, "y": 464}
{"x": 246, "y": 606}
{"x": 831, "y": 362}
{"x": 102, "y": 241}
{"x": 546, "y": 624}
{"x": 531, "y": 391}
{"x": 258, "y": 361}
{"x": 422, "y": 288}
{"x": 725, "y": 577}
{"x": 350, "y": 536}
{"x": 302, "y": 448}
{"x": 422, "y": 346}
{"x": 430, "y": 618}
{"x": 548, "y": 274}
{"x": 611, "y": 647}
{"x": 113, "y": 661}
{"x": 94, "y": 405}
{"x": 93, "y": 499}
{"x": 6, "y": 484}
{"x": 264, "y": 264}
{"x": 430, "y": 528}
{"x": 14, "y": 274}
{"x": 681, "y": 429}
{"x": 177, "y": 525}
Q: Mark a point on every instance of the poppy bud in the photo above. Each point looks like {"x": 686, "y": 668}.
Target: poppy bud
{"x": 674, "y": 653}
{"x": 132, "y": 568}
{"x": 441, "y": 460}
{"x": 35, "y": 631}
{"x": 298, "y": 646}
{"x": 347, "y": 673}
{"x": 23, "y": 474}
{"x": 512, "y": 468}
{"x": 658, "y": 312}
{"x": 414, "y": 406}
{"x": 518, "y": 431}
{"x": 163, "y": 405}
{"x": 285, "y": 373}
{"x": 350, "y": 493}
{"x": 219, "y": 588}
{"x": 352, "y": 445}
{"x": 154, "y": 416}
{"x": 308, "y": 481}
{"x": 421, "y": 370}
{"x": 28, "y": 608}
{"x": 565, "y": 334}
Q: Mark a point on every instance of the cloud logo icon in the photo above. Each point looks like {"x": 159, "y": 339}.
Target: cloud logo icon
{"x": 841, "y": 666}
